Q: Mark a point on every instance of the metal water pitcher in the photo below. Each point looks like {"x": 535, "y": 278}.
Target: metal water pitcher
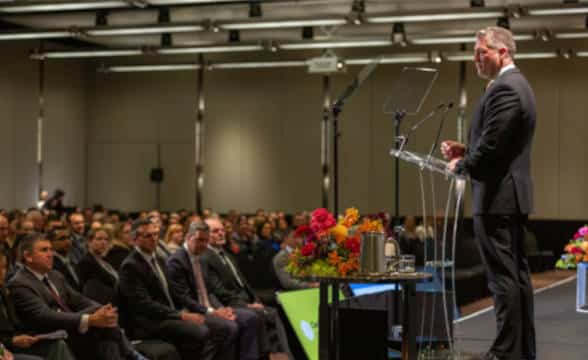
{"x": 371, "y": 254}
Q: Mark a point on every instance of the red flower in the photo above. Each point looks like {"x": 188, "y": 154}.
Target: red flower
{"x": 322, "y": 220}
{"x": 352, "y": 244}
{"x": 303, "y": 231}
{"x": 308, "y": 249}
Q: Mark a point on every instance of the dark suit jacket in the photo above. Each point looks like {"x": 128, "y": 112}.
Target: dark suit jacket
{"x": 96, "y": 282}
{"x": 60, "y": 266}
{"x": 498, "y": 155}
{"x": 183, "y": 284}
{"x": 229, "y": 292}
{"x": 142, "y": 296}
{"x": 9, "y": 324}
{"x": 117, "y": 254}
{"x": 39, "y": 311}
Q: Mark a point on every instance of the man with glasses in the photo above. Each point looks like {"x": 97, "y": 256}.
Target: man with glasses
{"x": 498, "y": 161}
{"x": 151, "y": 310}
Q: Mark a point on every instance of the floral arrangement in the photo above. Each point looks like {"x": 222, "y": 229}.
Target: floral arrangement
{"x": 576, "y": 250}
{"x": 331, "y": 248}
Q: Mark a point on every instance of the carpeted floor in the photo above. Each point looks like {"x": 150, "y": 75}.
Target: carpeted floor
{"x": 562, "y": 333}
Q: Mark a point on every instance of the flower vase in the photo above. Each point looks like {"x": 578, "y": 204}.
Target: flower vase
{"x": 371, "y": 254}
{"x": 582, "y": 287}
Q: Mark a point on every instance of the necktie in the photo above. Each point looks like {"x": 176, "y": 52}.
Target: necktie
{"x": 163, "y": 282}
{"x": 202, "y": 292}
{"x": 55, "y": 295}
{"x": 227, "y": 261}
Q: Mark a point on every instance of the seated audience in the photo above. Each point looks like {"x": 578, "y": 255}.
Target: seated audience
{"x": 12, "y": 336}
{"x": 121, "y": 245}
{"x": 233, "y": 290}
{"x": 190, "y": 283}
{"x": 151, "y": 313}
{"x": 61, "y": 244}
{"x": 98, "y": 279}
{"x": 174, "y": 238}
{"x": 77, "y": 226}
{"x": 46, "y": 303}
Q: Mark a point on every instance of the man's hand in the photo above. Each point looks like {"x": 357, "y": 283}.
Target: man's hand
{"x": 24, "y": 341}
{"x": 193, "y": 317}
{"x": 104, "y": 317}
{"x": 452, "y": 149}
{"x": 255, "y": 305}
{"x": 452, "y": 164}
{"x": 225, "y": 313}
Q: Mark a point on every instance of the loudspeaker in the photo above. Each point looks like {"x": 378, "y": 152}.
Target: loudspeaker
{"x": 156, "y": 175}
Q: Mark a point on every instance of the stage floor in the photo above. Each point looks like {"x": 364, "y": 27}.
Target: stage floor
{"x": 562, "y": 333}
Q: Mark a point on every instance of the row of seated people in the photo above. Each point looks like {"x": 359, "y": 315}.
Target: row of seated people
{"x": 196, "y": 304}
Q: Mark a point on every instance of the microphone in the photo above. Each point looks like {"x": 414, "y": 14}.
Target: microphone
{"x": 404, "y": 139}
{"x": 441, "y": 123}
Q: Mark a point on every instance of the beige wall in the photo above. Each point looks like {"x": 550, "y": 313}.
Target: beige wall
{"x": 262, "y": 146}
{"x": 64, "y": 146}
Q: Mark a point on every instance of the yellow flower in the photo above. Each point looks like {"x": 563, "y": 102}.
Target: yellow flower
{"x": 340, "y": 232}
{"x": 350, "y": 218}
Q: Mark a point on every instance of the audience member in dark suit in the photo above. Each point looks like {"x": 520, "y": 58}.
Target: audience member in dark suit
{"x": 288, "y": 282}
{"x": 45, "y": 302}
{"x": 189, "y": 283}
{"x": 78, "y": 239}
{"x": 98, "y": 278}
{"x": 234, "y": 290}
{"x": 151, "y": 311}
{"x": 498, "y": 160}
{"x": 62, "y": 261}
{"x": 12, "y": 336}
{"x": 121, "y": 246}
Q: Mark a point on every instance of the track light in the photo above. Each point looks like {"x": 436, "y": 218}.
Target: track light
{"x": 234, "y": 36}
{"x": 477, "y": 3}
{"x": 308, "y": 33}
{"x": 255, "y": 9}
{"x": 102, "y": 18}
{"x": 503, "y": 22}
{"x": 357, "y": 14}
{"x": 435, "y": 57}
{"x": 543, "y": 35}
{"x": 398, "y": 34}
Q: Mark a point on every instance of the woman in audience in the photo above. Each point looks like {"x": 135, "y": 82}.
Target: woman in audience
{"x": 121, "y": 245}
{"x": 174, "y": 237}
{"x": 281, "y": 229}
{"x": 98, "y": 278}
{"x": 266, "y": 236}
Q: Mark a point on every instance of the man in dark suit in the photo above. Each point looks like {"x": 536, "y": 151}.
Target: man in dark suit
{"x": 190, "y": 282}
{"x": 46, "y": 303}
{"x": 151, "y": 310}
{"x": 62, "y": 261}
{"x": 498, "y": 161}
{"x": 233, "y": 290}
{"x": 24, "y": 346}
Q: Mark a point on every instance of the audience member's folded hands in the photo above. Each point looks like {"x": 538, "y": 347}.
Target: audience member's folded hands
{"x": 104, "y": 317}
{"x": 225, "y": 313}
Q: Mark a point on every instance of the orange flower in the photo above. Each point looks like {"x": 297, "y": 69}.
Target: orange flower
{"x": 350, "y": 218}
{"x": 585, "y": 258}
{"x": 334, "y": 258}
{"x": 371, "y": 226}
{"x": 579, "y": 258}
